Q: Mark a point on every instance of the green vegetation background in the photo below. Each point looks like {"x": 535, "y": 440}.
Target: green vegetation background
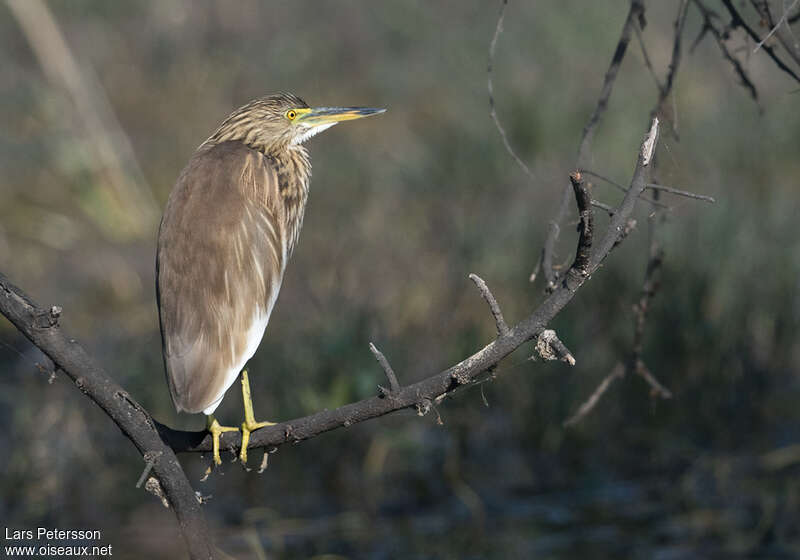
{"x": 402, "y": 208}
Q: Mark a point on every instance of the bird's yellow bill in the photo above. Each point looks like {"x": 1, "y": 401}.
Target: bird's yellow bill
{"x": 331, "y": 115}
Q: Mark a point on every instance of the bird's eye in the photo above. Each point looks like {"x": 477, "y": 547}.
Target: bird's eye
{"x": 291, "y": 114}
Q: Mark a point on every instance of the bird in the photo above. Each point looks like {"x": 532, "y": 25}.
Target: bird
{"x": 229, "y": 227}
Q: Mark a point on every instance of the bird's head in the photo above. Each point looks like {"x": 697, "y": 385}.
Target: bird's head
{"x": 275, "y": 122}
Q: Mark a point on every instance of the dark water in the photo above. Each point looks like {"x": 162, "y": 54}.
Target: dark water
{"x": 720, "y": 506}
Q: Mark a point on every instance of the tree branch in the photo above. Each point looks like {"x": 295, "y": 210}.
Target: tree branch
{"x": 494, "y": 307}
{"x": 679, "y": 192}
{"x": 738, "y": 21}
{"x": 490, "y": 89}
{"x": 625, "y": 209}
{"x": 622, "y": 188}
{"x": 775, "y": 26}
{"x": 783, "y": 32}
{"x": 719, "y": 37}
{"x": 41, "y": 327}
{"x": 584, "y": 200}
{"x": 394, "y": 385}
{"x": 635, "y": 16}
{"x": 617, "y": 373}
{"x": 635, "y": 363}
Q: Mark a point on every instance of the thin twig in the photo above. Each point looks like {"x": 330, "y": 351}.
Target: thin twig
{"x": 623, "y": 188}
{"x": 150, "y": 461}
{"x": 594, "y": 398}
{"x": 646, "y": 57}
{"x": 738, "y": 21}
{"x": 655, "y": 385}
{"x": 650, "y": 286}
{"x": 706, "y": 27}
{"x": 603, "y": 206}
{"x": 494, "y": 307}
{"x": 785, "y": 34}
{"x": 490, "y": 87}
{"x": 394, "y": 385}
{"x": 675, "y": 60}
{"x": 680, "y": 192}
{"x": 635, "y": 13}
{"x": 776, "y": 26}
{"x": 719, "y": 37}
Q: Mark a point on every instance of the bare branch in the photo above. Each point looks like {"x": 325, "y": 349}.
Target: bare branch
{"x": 738, "y": 21}
{"x": 616, "y": 373}
{"x": 646, "y": 57}
{"x": 680, "y": 192}
{"x": 656, "y": 387}
{"x": 650, "y": 286}
{"x": 394, "y": 386}
{"x": 603, "y": 206}
{"x": 674, "y": 62}
{"x": 623, "y": 188}
{"x": 581, "y": 264}
{"x": 494, "y": 307}
{"x": 635, "y": 362}
{"x": 149, "y": 463}
{"x": 708, "y": 24}
{"x": 131, "y": 417}
{"x": 625, "y": 209}
{"x": 784, "y": 33}
{"x": 655, "y": 260}
{"x": 776, "y": 26}
{"x": 636, "y": 12}
{"x": 490, "y": 88}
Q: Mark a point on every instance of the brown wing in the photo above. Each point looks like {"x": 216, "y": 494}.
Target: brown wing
{"x": 219, "y": 267}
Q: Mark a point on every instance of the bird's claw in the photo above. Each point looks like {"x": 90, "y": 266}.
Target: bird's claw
{"x": 216, "y": 430}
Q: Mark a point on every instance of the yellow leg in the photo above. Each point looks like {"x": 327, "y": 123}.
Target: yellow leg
{"x": 215, "y": 429}
{"x": 249, "y": 424}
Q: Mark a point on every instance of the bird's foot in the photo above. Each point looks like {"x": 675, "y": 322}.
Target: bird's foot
{"x": 216, "y": 430}
{"x": 249, "y": 425}
{"x": 247, "y": 429}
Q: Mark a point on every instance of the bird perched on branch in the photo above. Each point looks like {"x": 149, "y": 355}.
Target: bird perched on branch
{"x": 229, "y": 228}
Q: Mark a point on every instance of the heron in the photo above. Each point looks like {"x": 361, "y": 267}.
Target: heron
{"x": 229, "y": 227}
